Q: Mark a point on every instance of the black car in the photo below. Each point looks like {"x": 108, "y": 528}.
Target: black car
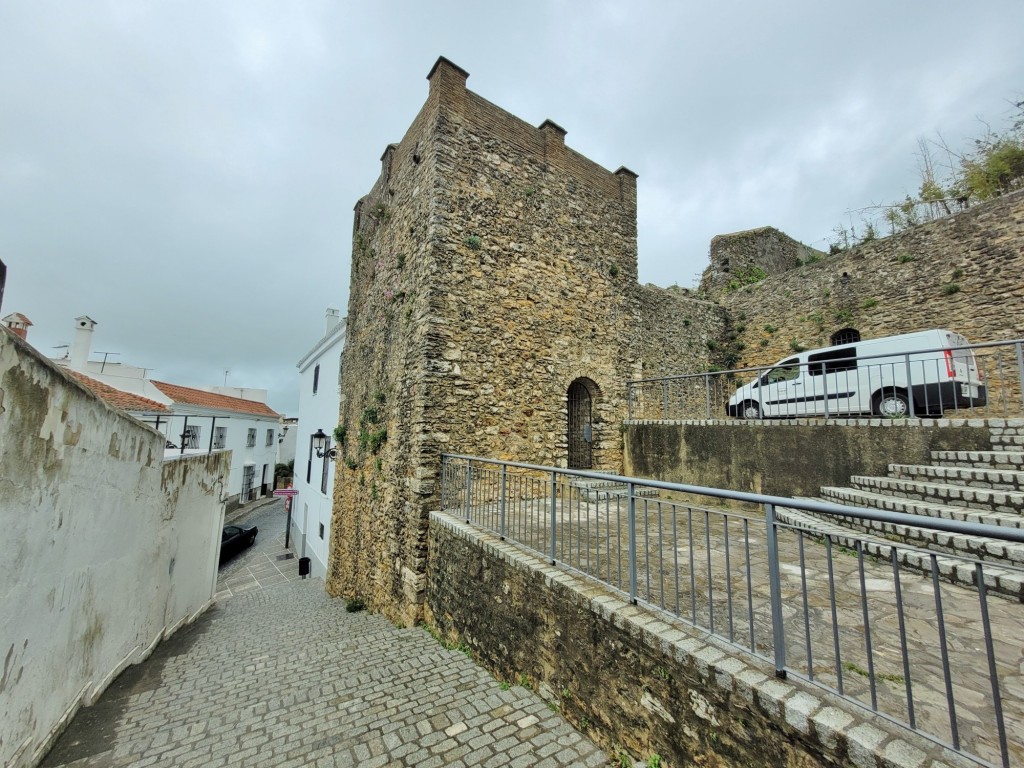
{"x": 234, "y": 539}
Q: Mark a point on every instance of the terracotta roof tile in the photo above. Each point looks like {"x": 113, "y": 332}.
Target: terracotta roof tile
{"x": 126, "y": 401}
{"x": 190, "y": 396}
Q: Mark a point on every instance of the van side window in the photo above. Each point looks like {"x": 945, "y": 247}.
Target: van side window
{"x": 832, "y": 361}
{"x": 786, "y": 371}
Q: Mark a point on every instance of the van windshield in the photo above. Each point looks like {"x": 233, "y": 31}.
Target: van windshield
{"x": 787, "y": 370}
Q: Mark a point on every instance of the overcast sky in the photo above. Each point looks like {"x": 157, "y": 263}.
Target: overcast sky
{"x": 184, "y": 172}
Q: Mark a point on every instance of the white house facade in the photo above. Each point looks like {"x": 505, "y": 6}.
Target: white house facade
{"x": 193, "y": 420}
{"x": 319, "y": 404}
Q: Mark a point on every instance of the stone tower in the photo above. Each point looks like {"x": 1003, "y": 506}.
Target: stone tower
{"x": 493, "y": 311}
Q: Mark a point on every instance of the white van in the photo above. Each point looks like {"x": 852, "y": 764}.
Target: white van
{"x": 923, "y": 373}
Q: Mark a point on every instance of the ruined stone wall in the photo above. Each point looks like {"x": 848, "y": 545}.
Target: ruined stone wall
{"x": 679, "y": 332}
{"x": 492, "y": 266}
{"x": 964, "y": 273}
{"x": 740, "y": 258}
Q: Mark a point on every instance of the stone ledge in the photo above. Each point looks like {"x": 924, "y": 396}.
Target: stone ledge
{"x": 994, "y": 424}
{"x": 846, "y": 733}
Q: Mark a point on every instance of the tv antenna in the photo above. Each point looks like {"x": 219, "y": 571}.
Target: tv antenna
{"x": 105, "y": 356}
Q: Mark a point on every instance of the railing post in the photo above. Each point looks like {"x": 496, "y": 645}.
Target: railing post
{"x": 910, "y": 386}
{"x": 664, "y": 399}
{"x": 469, "y": 487}
{"x": 501, "y": 504}
{"x": 775, "y": 588}
{"x": 824, "y": 388}
{"x": 631, "y": 524}
{"x": 1019, "y": 346}
{"x": 707, "y": 395}
{"x": 444, "y": 481}
{"x": 554, "y": 512}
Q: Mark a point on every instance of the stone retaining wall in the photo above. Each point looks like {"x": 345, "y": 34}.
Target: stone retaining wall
{"x": 792, "y": 457}
{"x": 639, "y": 682}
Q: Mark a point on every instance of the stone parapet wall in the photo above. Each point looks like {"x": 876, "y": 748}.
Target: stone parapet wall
{"x": 791, "y": 457}
{"x": 962, "y": 273}
{"x": 641, "y": 682}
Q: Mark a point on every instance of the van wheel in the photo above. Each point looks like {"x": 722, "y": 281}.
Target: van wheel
{"x": 750, "y": 410}
{"x": 892, "y": 405}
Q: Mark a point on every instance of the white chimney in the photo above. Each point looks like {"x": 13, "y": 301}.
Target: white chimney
{"x": 82, "y": 345}
{"x": 332, "y": 319}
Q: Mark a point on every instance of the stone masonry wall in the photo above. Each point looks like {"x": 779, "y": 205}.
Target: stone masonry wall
{"x": 963, "y": 273}
{"x": 743, "y": 257}
{"x": 676, "y": 328}
{"x": 492, "y": 266}
{"x": 640, "y": 682}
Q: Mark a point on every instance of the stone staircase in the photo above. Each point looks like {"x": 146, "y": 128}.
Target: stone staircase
{"x": 971, "y": 486}
{"x": 592, "y": 491}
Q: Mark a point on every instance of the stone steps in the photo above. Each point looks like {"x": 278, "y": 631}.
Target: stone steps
{"x": 943, "y": 493}
{"x": 1011, "y": 460}
{"x": 1007, "y": 582}
{"x": 975, "y": 477}
{"x": 602, "y": 490}
{"x": 979, "y": 547}
{"x": 859, "y": 498}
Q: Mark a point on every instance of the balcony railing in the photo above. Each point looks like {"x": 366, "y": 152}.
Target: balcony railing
{"x": 873, "y": 621}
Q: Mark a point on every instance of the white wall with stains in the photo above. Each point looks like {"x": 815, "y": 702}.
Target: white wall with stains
{"x": 105, "y": 547}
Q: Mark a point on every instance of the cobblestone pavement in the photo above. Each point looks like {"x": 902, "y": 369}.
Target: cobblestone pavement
{"x": 277, "y": 673}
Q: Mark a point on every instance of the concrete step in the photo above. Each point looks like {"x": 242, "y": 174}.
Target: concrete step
{"x": 1004, "y": 580}
{"x": 943, "y": 493}
{"x": 999, "y": 479}
{"x": 1012, "y": 460}
{"x": 602, "y": 490}
{"x": 860, "y": 498}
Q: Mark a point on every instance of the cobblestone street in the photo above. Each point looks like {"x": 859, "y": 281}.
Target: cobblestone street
{"x": 277, "y": 673}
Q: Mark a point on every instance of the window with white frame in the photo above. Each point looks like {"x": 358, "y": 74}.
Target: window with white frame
{"x": 270, "y": 437}
{"x": 190, "y": 436}
{"x": 220, "y": 437}
{"x": 250, "y": 441}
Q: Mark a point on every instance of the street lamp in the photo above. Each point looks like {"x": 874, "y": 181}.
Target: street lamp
{"x": 320, "y": 443}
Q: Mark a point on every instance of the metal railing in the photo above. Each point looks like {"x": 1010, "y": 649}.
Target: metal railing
{"x": 915, "y": 383}
{"x": 846, "y": 612}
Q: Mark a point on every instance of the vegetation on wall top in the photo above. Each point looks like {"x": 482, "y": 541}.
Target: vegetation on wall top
{"x": 951, "y": 181}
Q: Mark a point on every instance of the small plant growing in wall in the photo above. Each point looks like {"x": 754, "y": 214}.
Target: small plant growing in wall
{"x": 473, "y": 243}
{"x": 770, "y": 329}
{"x": 950, "y": 288}
{"x": 355, "y": 604}
{"x": 340, "y": 433}
{"x": 906, "y": 258}
{"x": 351, "y": 463}
{"x": 796, "y": 346}
{"x": 401, "y": 260}
{"x": 380, "y": 212}
{"x": 958, "y": 273}
{"x": 869, "y": 303}
{"x": 613, "y": 270}
{"x": 844, "y": 316}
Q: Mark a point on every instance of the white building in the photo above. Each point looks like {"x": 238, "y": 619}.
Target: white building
{"x": 319, "y": 405}
{"x": 193, "y": 420}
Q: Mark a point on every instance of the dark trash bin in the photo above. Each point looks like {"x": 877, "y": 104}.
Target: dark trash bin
{"x": 303, "y": 567}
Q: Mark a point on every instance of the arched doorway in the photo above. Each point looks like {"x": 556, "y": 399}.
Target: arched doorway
{"x": 581, "y": 425}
